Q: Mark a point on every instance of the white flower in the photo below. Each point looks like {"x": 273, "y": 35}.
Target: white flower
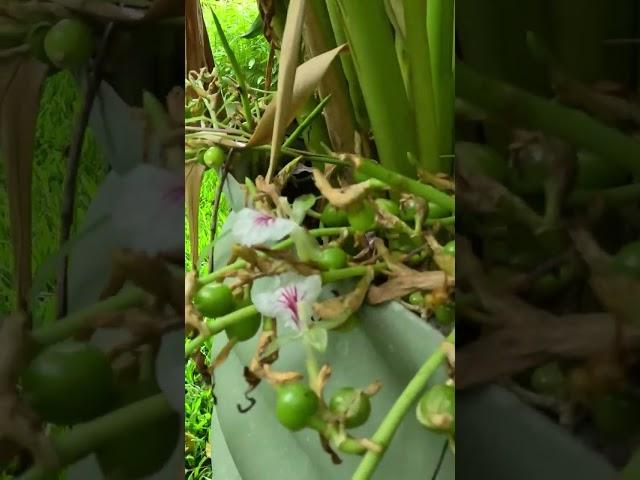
{"x": 148, "y": 215}
{"x": 252, "y": 227}
{"x": 288, "y": 297}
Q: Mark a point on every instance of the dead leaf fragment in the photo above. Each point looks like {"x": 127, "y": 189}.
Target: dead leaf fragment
{"x": 406, "y": 283}
{"x": 306, "y": 81}
{"x": 340, "y": 197}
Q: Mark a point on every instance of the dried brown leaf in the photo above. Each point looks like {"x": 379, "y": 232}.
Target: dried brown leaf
{"x": 618, "y": 291}
{"x": 338, "y": 113}
{"x": 505, "y": 307}
{"x": 193, "y": 173}
{"x": 340, "y": 197}
{"x": 20, "y": 86}
{"x": 12, "y": 343}
{"x": 160, "y": 9}
{"x": 192, "y": 318}
{"x": 517, "y": 347}
{"x": 104, "y": 10}
{"x": 306, "y": 81}
{"x": 373, "y": 388}
{"x": 198, "y": 53}
{"x": 337, "y": 310}
{"x": 290, "y": 52}
{"x": 406, "y": 283}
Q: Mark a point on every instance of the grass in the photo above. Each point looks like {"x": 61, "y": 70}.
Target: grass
{"x": 198, "y": 394}
{"x": 236, "y": 17}
{"x": 59, "y": 104}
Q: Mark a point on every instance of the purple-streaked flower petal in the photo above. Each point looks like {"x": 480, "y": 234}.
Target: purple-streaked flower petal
{"x": 257, "y": 228}
{"x": 288, "y": 297}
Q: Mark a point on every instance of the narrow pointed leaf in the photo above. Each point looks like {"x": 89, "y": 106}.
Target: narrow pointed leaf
{"x": 307, "y": 77}
{"x": 289, "y": 55}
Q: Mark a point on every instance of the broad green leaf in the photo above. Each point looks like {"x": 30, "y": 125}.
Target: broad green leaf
{"x": 377, "y": 349}
{"x": 505, "y": 439}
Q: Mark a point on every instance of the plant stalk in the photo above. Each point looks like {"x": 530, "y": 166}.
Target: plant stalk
{"x": 405, "y": 401}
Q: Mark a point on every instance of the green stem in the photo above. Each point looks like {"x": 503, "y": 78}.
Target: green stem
{"x": 611, "y": 196}
{"x": 71, "y": 324}
{"x": 240, "y": 78}
{"x": 371, "y": 44}
{"x": 441, "y": 221}
{"x": 391, "y": 422}
{"x": 344, "y": 444}
{"x": 306, "y": 122}
{"x": 521, "y": 108}
{"x": 405, "y": 184}
{"x": 238, "y": 264}
{"x": 357, "y": 101}
{"x": 217, "y": 325}
{"x": 85, "y": 438}
{"x": 421, "y": 82}
{"x": 332, "y": 276}
{"x": 441, "y": 31}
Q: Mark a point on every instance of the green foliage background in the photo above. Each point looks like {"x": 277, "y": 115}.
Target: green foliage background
{"x": 56, "y": 119}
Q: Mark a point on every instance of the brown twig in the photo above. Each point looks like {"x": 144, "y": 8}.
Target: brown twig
{"x": 73, "y": 163}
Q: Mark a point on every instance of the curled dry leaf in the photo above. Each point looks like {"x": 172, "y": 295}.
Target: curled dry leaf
{"x": 373, "y": 388}
{"x": 618, "y": 292}
{"x": 340, "y": 197}
{"x": 449, "y": 350}
{"x": 440, "y": 181}
{"x": 104, "y": 10}
{"x": 192, "y": 318}
{"x": 518, "y": 347}
{"x": 326, "y": 446}
{"x": 272, "y": 191}
{"x": 482, "y": 194}
{"x": 391, "y": 222}
{"x": 285, "y": 173}
{"x": 606, "y": 103}
{"x": 505, "y": 308}
{"x": 321, "y": 380}
{"x": 260, "y": 367}
{"x": 443, "y": 260}
{"x": 394, "y": 265}
{"x": 337, "y": 310}
{"x": 307, "y": 77}
{"x": 405, "y": 283}
{"x": 283, "y": 115}
{"x": 285, "y": 261}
